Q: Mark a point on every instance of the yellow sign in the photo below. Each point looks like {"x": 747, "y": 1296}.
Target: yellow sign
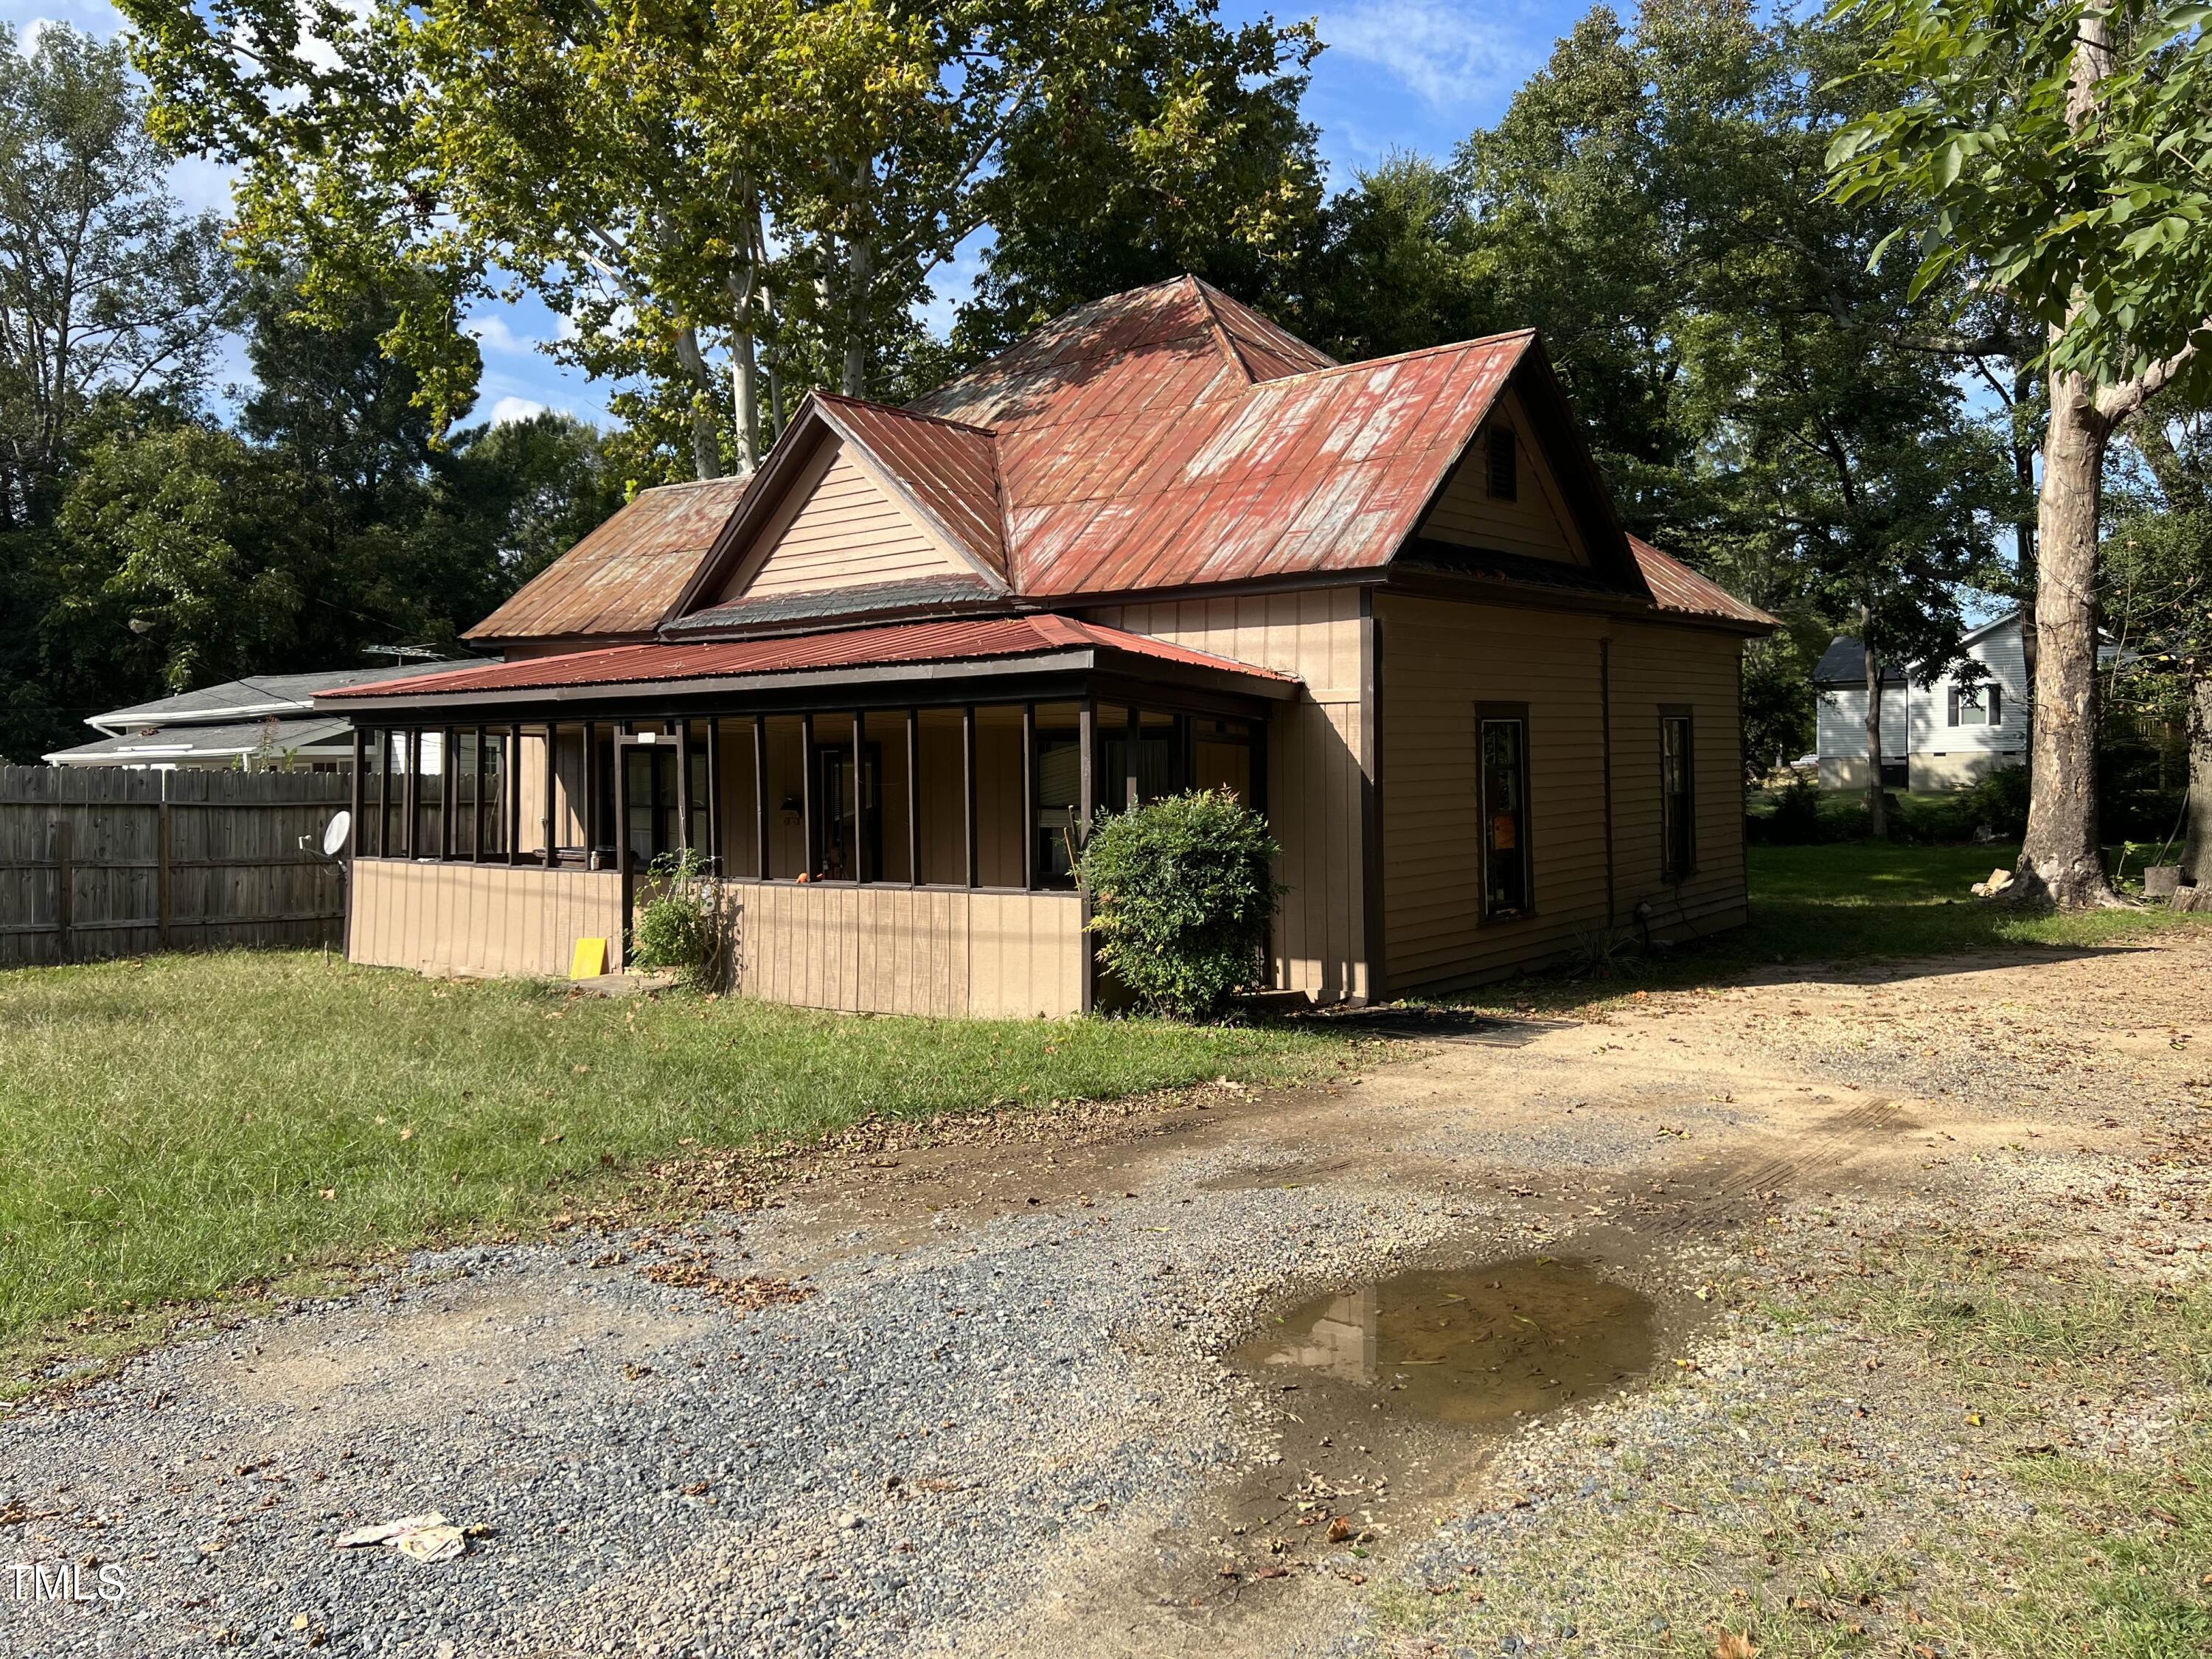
{"x": 591, "y": 959}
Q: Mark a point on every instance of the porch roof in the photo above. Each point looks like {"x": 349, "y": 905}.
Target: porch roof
{"x": 1010, "y": 643}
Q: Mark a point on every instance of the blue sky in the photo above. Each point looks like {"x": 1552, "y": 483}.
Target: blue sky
{"x": 1397, "y": 75}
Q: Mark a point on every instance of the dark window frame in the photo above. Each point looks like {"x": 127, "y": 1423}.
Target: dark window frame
{"x": 1677, "y": 864}
{"x": 1516, "y": 713}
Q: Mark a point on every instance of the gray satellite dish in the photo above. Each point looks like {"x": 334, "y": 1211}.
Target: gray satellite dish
{"x": 335, "y": 831}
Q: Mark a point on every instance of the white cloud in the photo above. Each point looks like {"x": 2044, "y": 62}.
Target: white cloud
{"x": 495, "y": 333}
{"x": 1444, "y": 52}
{"x": 515, "y": 409}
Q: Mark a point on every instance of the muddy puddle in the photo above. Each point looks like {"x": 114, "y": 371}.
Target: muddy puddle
{"x": 1486, "y": 1345}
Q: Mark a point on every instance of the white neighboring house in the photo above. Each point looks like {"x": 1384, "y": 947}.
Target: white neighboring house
{"x": 266, "y": 723}
{"x": 1948, "y": 735}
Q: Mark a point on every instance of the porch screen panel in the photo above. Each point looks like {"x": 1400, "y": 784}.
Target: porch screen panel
{"x": 429, "y": 793}
{"x": 943, "y": 795}
{"x": 886, "y": 736}
{"x": 1222, "y": 756}
{"x": 786, "y": 823}
{"x": 465, "y": 794}
{"x": 491, "y": 811}
{"x": 1060, "y": 793}
{"x": 1000, "y": 809}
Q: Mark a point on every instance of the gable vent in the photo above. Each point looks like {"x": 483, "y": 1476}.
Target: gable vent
{"x": 1504, "y": 479}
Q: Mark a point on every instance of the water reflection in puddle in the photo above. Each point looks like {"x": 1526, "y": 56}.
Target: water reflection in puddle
{"x": 1473, "y": 1347}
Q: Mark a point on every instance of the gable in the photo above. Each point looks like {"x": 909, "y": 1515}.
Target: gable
{"x": 1534, "y": 523}
{"x": 839, "y": 526}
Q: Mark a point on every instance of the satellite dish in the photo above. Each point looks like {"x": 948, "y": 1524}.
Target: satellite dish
{"x": 335, "y": 831}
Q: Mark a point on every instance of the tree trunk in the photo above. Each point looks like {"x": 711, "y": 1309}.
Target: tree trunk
{"x": 2196, "y": 848}
{"x": 1877, "y": 800}
{"x": 859, "y": 284}
{"x": 744, "y": 375}
{"x": 706, "y": 437}
{"x": 2060, "y": 862}
{"x": 2023, "y": 529}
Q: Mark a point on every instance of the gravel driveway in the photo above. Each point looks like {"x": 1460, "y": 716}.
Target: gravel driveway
{"x": 977, "y": 1395}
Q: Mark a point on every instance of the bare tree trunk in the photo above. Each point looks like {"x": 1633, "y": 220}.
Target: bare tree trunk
{"x": 744, "y": 377}
{"x": 2060, "y": 862}
{"x": 2196, "y": 848}
{"x": 859, "y": 276}
{"x": 706, "y": 437}
{"x": 2023, "y": 529}
{"x": 1877, "y": 800}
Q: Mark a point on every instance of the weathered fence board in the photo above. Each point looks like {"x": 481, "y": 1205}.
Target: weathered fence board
{"x": 105, "y": 861}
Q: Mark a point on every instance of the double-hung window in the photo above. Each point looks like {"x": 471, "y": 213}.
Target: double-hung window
{"x": 1501, "y": 764}
{"x": 1678, "y": 795}
{"x": 1980, "y": 704}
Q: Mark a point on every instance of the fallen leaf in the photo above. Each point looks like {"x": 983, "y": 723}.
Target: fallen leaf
{"x": 1733, "y": 1646}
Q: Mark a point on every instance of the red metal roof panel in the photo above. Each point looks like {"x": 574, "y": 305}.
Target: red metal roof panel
{"x": 622, "y": 577}
{"x": 1675, "y": 586}
{"x": 860, "y": 647}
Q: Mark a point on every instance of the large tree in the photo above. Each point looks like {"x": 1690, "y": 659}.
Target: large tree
{"x": 709, "y": 189}
{"x": 2053, "y": 151}
{"x": 111, "y": 296}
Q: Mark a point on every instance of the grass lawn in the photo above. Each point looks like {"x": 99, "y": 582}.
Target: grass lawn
{"x": 175, "y": 1127}
{"x": 1841, "y": 902}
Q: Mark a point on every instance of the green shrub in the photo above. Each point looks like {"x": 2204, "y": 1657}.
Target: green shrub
{"x": 683, "y": 928}
{"x": 1182, "y": 891}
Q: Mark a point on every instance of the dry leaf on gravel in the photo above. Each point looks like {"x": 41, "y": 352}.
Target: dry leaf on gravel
{"x": 692, "y": 1271}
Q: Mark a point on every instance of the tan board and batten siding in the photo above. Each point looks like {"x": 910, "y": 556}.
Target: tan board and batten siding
{"x": 1440, "y": 657}
{"x": 842, "y": 528}
{"x": 909, "y": 951}
{"x": 1316, "y": 764}
{"x": 493, "y": 920}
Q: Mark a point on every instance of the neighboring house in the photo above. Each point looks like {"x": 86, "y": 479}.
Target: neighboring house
{"x": 264, "y": 723}
{"x": 1947, "y": 735}
{"x": 883, "y": 685}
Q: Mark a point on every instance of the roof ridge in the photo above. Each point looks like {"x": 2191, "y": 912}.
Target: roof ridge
{"x": 1217, "y": 325}
{"x": 1397, "y": 357}
{"x": 909, "y": 414}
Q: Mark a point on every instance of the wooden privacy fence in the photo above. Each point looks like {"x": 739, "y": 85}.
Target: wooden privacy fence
{"x": 104, "y": 861}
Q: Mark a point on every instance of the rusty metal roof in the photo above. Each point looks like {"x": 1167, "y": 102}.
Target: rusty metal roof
{"x": 1675, "y": 586}
{"x": 1166, "y": 438}
{"x": 909, "y": 643}
{"x": 622, "y": 577}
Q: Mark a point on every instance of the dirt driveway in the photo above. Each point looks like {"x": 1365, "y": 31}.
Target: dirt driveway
{"x": 1730, "y": 1312}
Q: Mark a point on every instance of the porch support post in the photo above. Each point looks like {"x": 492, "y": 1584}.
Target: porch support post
{"x": 360, "y": 789}
{"x": 1028, "y": 796}
{"x": 1087, "y": 742}
{"x": 412, "y": 743}
{"x": 914, "y": 797}
{"x": 622, "y": 840}
{"x": 860, "y": 798}
{"x": 448, "y": 787}
{"x": 714, "y": 794}
{"x": 514, "y": 792}
{"x": 684, "y": 785}
{"x": 1136, "y": 736}
{"x": 552, "y": 766}
{"x": 760, "y": 793}
{"x": 587, "y": 814}
{"x": 968, "y": 789}
{"x": 806, "y": 813}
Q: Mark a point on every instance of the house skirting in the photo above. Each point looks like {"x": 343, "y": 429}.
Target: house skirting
{"x": 489, "y": 920}
{"x": 1927, "y": 773}
{"x": 898, "y": 950}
